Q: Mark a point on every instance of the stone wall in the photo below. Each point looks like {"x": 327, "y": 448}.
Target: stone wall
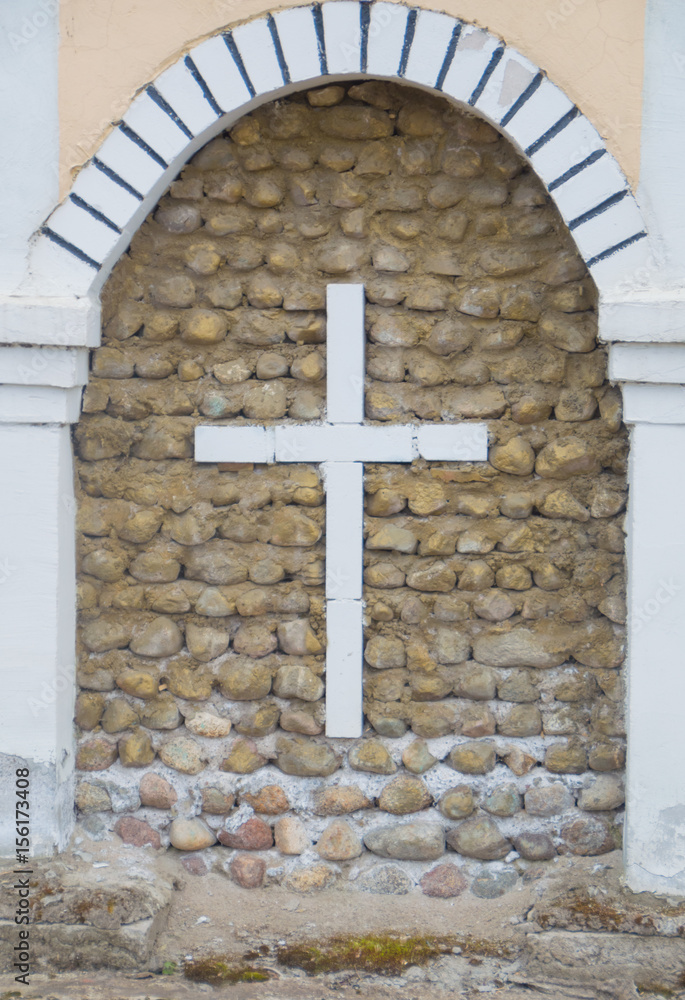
{"x": 494, "y": 591}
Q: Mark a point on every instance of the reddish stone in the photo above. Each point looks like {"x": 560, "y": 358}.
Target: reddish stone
{"x": 248, "y": 871}
{"x": 270, "y": 800}
{"x": 253, "y": 835}
{"x": 588, "y": 836}
{"x": 443, "y": 881}
{"x": 156, "y": 792}
{"x": 194, "y": 865}
{"x": 137, "y": 832}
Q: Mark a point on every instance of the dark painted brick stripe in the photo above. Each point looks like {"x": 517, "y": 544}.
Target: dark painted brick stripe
{"x": 66, "y": 245}
{"x": 489, "y": 70}
{"x": 603, "y": 206}
{"x": 573, "y": 171}
{"x": 135, "y": 138}
{"x": 409, "y": 32}
{"x": 554, "y": 130}
{"x": 275, "y": 38}
{"x": 114, "y": 176}
{"x": 238, "y": 60}
{"x": 94, "y": 213}
{"x": 364, "y": 21}
{"x": 155, "y": 95}
{"x": 523, "y": 99}
{"x": 203, "y": 85}
{"x": 320, "y": 38}
{"x": 615, "y": 249}
{"x": 449, "y": 56}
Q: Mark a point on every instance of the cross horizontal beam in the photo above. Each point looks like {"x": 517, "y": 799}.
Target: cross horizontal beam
{"x": 342, "y": 443}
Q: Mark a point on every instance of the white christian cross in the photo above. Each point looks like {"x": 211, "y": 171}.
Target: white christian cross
{"x": 342, "y": 444}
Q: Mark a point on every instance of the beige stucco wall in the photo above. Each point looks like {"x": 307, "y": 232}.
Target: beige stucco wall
{"x": 593, "y": 49}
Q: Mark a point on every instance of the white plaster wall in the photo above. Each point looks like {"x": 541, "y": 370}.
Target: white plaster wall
{"x": 29, "y": 151}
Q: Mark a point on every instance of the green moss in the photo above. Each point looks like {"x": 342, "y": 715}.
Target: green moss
{"x": 656, "y": 989}
{"x": 384, "y": 955}
{"x": 216, "y": 970}
{"x": 169, "y": 968}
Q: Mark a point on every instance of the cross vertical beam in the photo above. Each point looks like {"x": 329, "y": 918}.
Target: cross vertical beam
{"x": 342, "y": 443}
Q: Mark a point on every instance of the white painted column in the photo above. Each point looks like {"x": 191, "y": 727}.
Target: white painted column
{"x": 37, "y": 625}
{"x": 655, "y": 817}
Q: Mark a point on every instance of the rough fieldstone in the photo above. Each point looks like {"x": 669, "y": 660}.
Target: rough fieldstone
{"x": 503, "y": 800}
{"x": 518, "y": 761}
{"x": 99, "y": 636}
{"x": 478, "y": 838}
{"x": 432, "y": 720}
{"x": 290, "y": 836}
{"x": 339, "y": 842}
{"x": 573, "y": 332}
{"x": 214, "y": 562}
{"x": 208, "y": 724}
{"x": 137, "y": 832}
{"x": 371, "y": 755}
{"x": 548, "y": 800}
{"x": 567, "y": 457}
{"x": 183, "y": 754}
{"x": 156, "y": 792}
{"x": 258, "y": 719}
{"x": 443, "y": 882}
{"x": 161, "y": 713}
{"x": 311, "y": 879}
{"x": 606, "y": 757}
{"x": 162, "y": 637}
{"x": 215, "y": 802}
{"x": 205, "y": 644}
{"x": 417, "y": 758}
{"x": 385, "y": 653}
{"x": 437, "y": 578}
{"x": 386, "y": 880}
{"x": 472, "y": 758}
{"x": 588, "y": 836}
{"x": 492, "y": 885}
{"x": 92, "y": 798}
{"x": 404, "y": 795}
{"x": 602, "y": 793}
{"x": 451, "y": 646}
{"x": 297, "y": 638}
{"x": 457, "y": 802}
{"x": 248, "y": 871}
{"x": 543, "y": 644}
{"x": 245, "y": 680}
{"x": 190, "y": 835}
{"x": 337, "y": 800}
{"x": 389, "y": 536}
{"x": 477, "y": 720}
{"x": 138, "y": 683}
{"x": 243, "y": 758}
{"x": 384, "y": 575}
{"x": 475, "y": 681}
{"x": 516, "y": 458}
{"x": 494, "y": 605}
{"x": 136, "y": 750}
{"x": 271, "y": 800}
{"x": 521, "y": 720}
{"x": 203, "y": 327}
{"x": 297, "y": 681}
{"x": 566, "y": 758}
{"x": 89, "y": 709}
{"x": 292, "y": 527}
{"x": 535, "y": 846}
{"x": 416, "y": 841}
{"x": 306, "y": 759}
{"x": 254, "y": 640}
{"x": 252, "y": 835}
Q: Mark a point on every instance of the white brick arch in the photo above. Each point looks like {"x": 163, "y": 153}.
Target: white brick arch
{"x": 233, "y": 72}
